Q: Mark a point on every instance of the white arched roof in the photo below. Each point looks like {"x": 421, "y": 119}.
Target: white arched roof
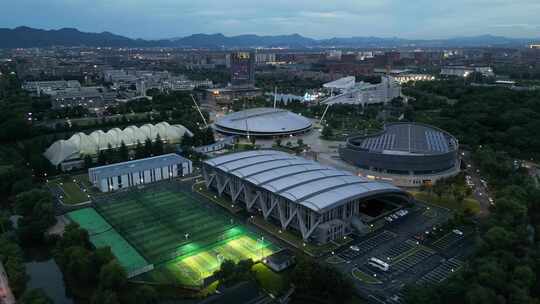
{"x": 81, "y": 144}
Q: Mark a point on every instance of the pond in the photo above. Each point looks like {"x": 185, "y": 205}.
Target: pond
{"x": 44, "y": 273}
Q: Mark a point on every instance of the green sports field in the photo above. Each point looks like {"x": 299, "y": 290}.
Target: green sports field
{"x": 102, "y": 234}
{"x": 185, "y": 239}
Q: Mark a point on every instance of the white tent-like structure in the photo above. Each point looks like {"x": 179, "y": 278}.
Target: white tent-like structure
{"x": 82, "y": 144}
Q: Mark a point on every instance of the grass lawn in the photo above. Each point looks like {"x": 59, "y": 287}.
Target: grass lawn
{"x": 72, "y": 193}
{"x": 275, "y": 283}
{"x": 5, "y": 168}
{"x": 334, "y": 259}
{"x": 364, "y": 277}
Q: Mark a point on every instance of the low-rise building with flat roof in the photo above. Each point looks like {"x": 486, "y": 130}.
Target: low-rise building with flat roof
{"x": 141, "y": 171}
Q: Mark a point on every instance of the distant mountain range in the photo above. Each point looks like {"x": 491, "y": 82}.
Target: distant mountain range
{"x": 25, "y": 37}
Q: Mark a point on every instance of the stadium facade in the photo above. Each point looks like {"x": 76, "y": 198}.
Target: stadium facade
{"x": 81, "y": 144}
{"x": 319, "y": 203}
{"x": 263, "y": 122}
{"x": 407, "y": 154}
{"x": 142, "y": 171}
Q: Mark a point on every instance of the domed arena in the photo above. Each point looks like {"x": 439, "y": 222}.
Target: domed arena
{"x": 408, "y": 154}
{"x": 263, "y": 122}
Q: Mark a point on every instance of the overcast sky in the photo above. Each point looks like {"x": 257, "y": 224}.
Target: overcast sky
{"x": 312, "y": 18}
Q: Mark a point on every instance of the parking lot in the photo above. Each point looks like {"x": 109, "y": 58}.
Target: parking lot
{"x": 441, "y": 272}
{"x": 408, "y": 258}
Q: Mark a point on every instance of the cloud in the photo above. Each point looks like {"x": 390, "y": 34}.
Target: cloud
{"x": 315, "y": 18}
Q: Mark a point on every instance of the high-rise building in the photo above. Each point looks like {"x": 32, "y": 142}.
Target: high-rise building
{"x": 242, "y": 69}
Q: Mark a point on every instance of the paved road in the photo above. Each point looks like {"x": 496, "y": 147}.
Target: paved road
{"x": 6, "y": 296}
{"x": 480, "y": 190}
{"x": 326, "y": 150}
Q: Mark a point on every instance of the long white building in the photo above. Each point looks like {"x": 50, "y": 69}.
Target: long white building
{"x": 464, "y": 71}
{"x": 351, "y": 92}
{"x": 142, "y": 171}
{"x": 319, "y": 203}
{"x": 81, "y": 144}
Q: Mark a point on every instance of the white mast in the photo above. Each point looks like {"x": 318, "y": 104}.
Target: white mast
{"x": 199, "y": 109}
{"x": 275, "y": 97}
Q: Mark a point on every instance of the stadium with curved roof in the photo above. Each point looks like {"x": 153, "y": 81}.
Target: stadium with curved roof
{"x": 81, "y": 144}
{"x": 320, "y": 203}
{"x": 410, "y": 154}
{"x": 263, "y": 122}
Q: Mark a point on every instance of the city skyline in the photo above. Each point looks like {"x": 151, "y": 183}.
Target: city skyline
{"x": 388, "y": 18}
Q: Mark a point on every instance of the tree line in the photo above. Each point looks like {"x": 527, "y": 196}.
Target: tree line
{"x": 498, "y": 125}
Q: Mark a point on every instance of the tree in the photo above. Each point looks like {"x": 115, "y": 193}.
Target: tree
{"x": 327, "y": 132}
{"x": 79, "y": 265}
{"x": 226, "y": 270}
{"x": 105, "y": 296}
{"x": 148, "y": 148}
{"x": 157, "y": 147}
{"x": 102, "y": 158}
{"x": 73, "y": 236}
{"x": 230, "y": 273}
{"x": 35, "y": 296}
{"x": 110, "y": 153}
{"x": 278, "y": 142}
{"x": 16, "y": 273}
{"x": 300, "y": 143}
{"x": 139, "y": 151}
{"x": 5, "y": 222}
{"x": 36, "y": 208}
{"x": 11, "y": 257}
{"x": 88, "y": 162}
{"x": 112, "y": 276}
{"x": 123, "y": 151}
{"x": 307, "y": 278}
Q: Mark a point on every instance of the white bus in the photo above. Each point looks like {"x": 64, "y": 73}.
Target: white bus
{"x": 376, "y": 263}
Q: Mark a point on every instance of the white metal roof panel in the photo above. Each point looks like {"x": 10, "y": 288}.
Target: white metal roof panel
{"x": 316, "y": 186}
{"x": 297, "y": 180}
{"x": 240, "y": 155}
{"x": 250, "y": 161}
{"x": 300, "y": 180}
{"x": 293, "y": 169}
{"x": 271, "y": 166}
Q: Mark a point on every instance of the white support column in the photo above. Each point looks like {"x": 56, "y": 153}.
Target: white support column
{"x": 314, "y": 224}
{"x": 223, "y": 184}
{"x": 281, "y": 212}
{"x": 301, "y": 223}
{"x": 209, "y": 181}
{"x": 250, "y": 204}
{"x": 237, "y": 194}
{"x": 262, "y": 204}
{"x": 292, "y": 215}
{"x": 273, "y": 203}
